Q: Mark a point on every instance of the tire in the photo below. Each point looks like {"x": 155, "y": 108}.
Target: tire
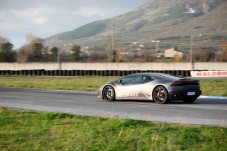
{"x": 160, "y": 95}
{"x": 189, "y": 100}
{"x": 108, "y": 93}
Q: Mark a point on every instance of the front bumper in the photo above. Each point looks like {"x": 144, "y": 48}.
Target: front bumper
{"x": 180, "y": 95}
{"x": 100, "y": 93}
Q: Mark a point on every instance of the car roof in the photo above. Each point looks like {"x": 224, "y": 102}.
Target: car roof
{"x": 159, "y": 75}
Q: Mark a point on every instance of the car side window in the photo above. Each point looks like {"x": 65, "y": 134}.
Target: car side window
{"x": 132, "y": 80}
{"x": 146, "y": 78}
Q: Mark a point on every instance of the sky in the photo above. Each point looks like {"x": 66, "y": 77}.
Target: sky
{"x": 44, "y": 18}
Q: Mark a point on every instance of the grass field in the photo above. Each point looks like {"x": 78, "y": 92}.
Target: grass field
{"x": 209, "y": 87}
{"x": 214, "y": 87}
{"x": 61, "y": 83}
{"x": 22, "y": 130}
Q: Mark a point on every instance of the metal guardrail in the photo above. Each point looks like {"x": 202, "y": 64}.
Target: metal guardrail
{"x": 181, "y": 73}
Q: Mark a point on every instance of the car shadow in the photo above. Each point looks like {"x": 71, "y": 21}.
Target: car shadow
{"x": 211, "y": 101}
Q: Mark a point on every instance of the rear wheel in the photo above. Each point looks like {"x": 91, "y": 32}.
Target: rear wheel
{"x": 160, "y": 95}
{"x": 108, "y": 93}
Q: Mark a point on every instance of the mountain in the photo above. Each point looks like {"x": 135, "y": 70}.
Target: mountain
{"x": 170, "y": 21}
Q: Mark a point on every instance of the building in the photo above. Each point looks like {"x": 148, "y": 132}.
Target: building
{"x": 171, "y": 53}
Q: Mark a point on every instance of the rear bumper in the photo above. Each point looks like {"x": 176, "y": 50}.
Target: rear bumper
{"x": 180, "y": 95}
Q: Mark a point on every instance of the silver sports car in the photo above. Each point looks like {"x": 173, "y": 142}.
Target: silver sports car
{"x": 161, "y": 88}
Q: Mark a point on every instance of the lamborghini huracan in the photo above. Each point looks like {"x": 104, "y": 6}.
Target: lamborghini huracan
{"x": 158, "y": 87}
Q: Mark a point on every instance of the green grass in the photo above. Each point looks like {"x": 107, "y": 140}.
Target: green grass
{"x": 20, "y": 130}
{"x": 214, "y": 87}
{"x": 209, "y": 87}
{"x": 60, "y": 83}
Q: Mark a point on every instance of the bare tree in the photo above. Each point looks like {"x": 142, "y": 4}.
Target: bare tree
{"x": 32, "y": 52}
{"x": 3, "y": 40}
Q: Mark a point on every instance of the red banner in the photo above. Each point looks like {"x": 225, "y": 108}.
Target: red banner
{"x": 208, "y": 73}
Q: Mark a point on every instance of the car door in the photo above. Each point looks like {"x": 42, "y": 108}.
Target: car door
{"x": 129, "y": 87}
{"x": 147, "y": 88}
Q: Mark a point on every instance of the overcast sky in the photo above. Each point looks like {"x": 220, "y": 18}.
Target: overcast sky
{"x": 44, "y": 18}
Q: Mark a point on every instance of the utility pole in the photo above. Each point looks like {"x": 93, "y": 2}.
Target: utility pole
{"x": 113, "y": 37}
{"x": 58, "y": 59}
{"x": 191, "y": 11}
{"x": 59, "y": 56}
{"x": 191, "y": 50}
{"x": 191, "y": 53}
{"x": 113, "y": 44}
{"x": 156, "y": 45}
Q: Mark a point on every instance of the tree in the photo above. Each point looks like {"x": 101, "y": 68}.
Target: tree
{"x": 54, "y": 53}
{"x": 32, "y": 52}
{"x": 7, "y": 54}
{"x": 114, "y": 57}
{"x": 224, "y": 51}
{"x": 3, "y": 40}
{"x": 22, "y": 54}
{"x": 36, "y": 55}
{"x": 76, "y": 53}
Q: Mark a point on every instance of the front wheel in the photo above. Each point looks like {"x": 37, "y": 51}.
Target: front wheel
{"x": 108, "y": 93}
{"x": 160, "y": 95}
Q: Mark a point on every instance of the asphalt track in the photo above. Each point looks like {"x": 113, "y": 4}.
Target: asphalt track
{"x": 205, "y": 111}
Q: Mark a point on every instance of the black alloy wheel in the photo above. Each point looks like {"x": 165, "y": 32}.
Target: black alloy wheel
{"x": 108, "y": 93}
{"x": 160, "y": 95}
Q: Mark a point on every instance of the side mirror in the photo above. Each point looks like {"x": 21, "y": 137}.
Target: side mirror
{"x": 120, "y": 82}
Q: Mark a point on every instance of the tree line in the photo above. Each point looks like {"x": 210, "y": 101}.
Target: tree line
{"x": 35, "y": 51}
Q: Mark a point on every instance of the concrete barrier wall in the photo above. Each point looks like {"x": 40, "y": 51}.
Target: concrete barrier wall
{"x": 29, "y": 66}
{"x": 210, "y": 66}
{"x": 112, "y": 66}
{"x": 125, "y": 66}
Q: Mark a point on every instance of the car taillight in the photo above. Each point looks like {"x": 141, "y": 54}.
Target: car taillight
{"x": 177, "y": 83}
{"x": 183, "y": 83}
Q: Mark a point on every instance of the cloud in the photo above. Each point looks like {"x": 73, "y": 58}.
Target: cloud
{"x": 45, "y": 18}
{"x": 98, "y": 12}
{"x": 35, "y": 15}
{"x": 40, "y": 20}
{"x": 10, "y": 26}
{"x": 89, "y": 12}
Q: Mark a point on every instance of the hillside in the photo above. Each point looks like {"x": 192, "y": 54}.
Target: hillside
{"x": 171, "y": 21}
